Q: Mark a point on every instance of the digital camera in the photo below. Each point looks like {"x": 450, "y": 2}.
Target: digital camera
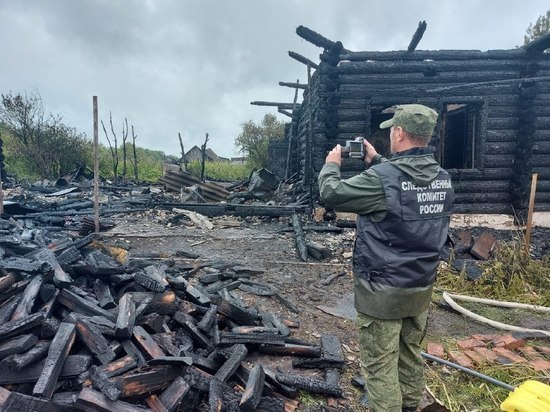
{"x": 354, "y": 149}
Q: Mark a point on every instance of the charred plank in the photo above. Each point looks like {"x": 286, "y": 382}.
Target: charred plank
{"x": 94, "y": 341}
{"x": 144, "y": 341}
{"x": 238, "y": 354}
{"x": 16, "y": 345}
{"x": 15, "y": 328}
{"x": 102, "y": 382}
{"x": 126, "y": 317}
{"x": 57, "y": 355}
{"x": 24, "y": 308}
{"x": 89, "y": 398}
{"x": 74, "y": 365}
{"x": 103, "y": 294}
{"x": 173, "y": 394}
{"x": 253, "y": 390}
{"x": 292, "y": 350}
{"x": 309, "y": 384}
{"x": 78, "y": 304}
{"x": 20, "y": 360}
{"x": 140, "y": 383}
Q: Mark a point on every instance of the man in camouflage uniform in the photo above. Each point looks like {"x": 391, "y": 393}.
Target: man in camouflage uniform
{"x": 404, "y": 206}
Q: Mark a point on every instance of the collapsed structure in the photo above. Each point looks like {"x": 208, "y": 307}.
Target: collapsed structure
{"x": 493, "y": 131}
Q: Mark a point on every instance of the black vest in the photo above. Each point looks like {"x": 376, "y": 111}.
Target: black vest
{"x": 402, "y": 251}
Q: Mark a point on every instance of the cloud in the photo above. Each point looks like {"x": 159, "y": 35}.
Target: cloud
{"x": 194, "y": 66}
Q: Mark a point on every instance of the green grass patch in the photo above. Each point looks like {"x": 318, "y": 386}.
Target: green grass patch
{"x": 220, "y": 171}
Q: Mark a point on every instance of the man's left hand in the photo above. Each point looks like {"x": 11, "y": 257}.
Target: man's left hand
{"x": 335, "y": 155}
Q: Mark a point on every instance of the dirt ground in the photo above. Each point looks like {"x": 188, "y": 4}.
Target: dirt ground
{"x": 268, "y": 245}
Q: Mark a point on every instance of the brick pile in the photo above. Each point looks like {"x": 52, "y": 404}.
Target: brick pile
{"x": 494, "y": 349}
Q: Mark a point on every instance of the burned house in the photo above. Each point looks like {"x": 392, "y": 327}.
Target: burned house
{"x": 493, "y": 131}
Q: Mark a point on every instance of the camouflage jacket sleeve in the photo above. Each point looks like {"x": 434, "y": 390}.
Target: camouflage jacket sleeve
{"x": 362, "y": 194}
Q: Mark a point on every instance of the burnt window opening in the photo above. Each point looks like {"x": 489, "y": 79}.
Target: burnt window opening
{"x": 459, "y": 131}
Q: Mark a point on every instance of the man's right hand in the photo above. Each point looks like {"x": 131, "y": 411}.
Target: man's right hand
{"x": 370, "y": 152}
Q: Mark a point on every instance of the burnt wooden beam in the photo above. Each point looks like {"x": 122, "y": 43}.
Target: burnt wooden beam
{"x": 236, "y": 313}
{"x": 20, "y": 360}
{"x": 154, "y": 403}
{"x": 314, "y": 38}
{"x": 78, "y": 304}
{"x": 103, "y": 294}
{"x": 198, "y": 337}
{"x": 300, "y": 237}
{"x": 57, "y": 355}
{"x": 8, "y": 307}
{"x": 172, "y": 360}
{"x": 292, "y": 350}
{"x": 302, "y": 59}
{"x": 253, "y": 390}
{"x": 24, "y": 308}
{"x": 126, "y": 316}
{"x": 133, "y": 351}
{"x": 294, "y": 85}
{"x": 153, "y": 323}
{"x": 140, "y": 383}
{"x": 282, "y": 111}
{"x": 94, "y": 341}
{"x": 146, "y": 343}
{"x": 209, "y": 319}
{"x": 332, "y": 356}
{"x": 309, "y": 384}
{"x": 229, "y": 338}
{"x": 215, "y": 396}
{"x": 60, "y": 278}
{"x": 270, "y": 319}
{"x": 259, "y": 210}
{"x": 101, "y": 381}
{"x": 238, "y": 354}
{"x": 192, "y": 293}
{"x": 6, "y": 281}
{"x": 173, "y": 394}
{"x": 74, "y": 366}
{"x": 96, "y": 401}
{"x": 166, "y": 341}
{"x": 417, "y": 36}
{"x": 14, "y": 328}
{"x": 17, "y": 345}
{"x": 152, "y": 279}
{"x": 21, "y": 402}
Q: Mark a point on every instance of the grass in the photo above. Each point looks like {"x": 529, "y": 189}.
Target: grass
{"x": 220, "y": 171}
{"x": 512, "y": 275}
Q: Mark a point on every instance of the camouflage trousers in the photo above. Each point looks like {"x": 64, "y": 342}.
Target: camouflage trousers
{"x": 391, "y": 361}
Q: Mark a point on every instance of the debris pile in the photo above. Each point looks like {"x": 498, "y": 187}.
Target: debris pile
{"x": 81, "y": 330}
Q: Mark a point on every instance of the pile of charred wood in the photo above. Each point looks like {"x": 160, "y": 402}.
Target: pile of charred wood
{"x": 81, "y": 331}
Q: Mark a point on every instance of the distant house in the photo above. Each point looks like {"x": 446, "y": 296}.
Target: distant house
{"x": 238, "y": 160}
{"x": 195, "y": 153}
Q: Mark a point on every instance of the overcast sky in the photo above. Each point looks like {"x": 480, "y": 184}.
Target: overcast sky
{"x": 194, "y": 66}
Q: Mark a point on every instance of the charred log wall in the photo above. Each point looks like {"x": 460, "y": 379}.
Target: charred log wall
{"x": 506, "y": 122}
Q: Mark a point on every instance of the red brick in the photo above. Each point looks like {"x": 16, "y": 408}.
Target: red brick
{"x": 435, "y": 349}
{"x": 460, "y": 358}
{"x": 484, "y": 338}
{"x": 540, "y": 365}
{"x": 470, "y": 343}
{"x": 508, "y": 342}
{"x": 487, "y": 354}
{"x": 476, "y": 357}
{"x": 529, "y": 352}
{"x": 545, "y": 350}
{"x": 483, "y": 246}
{"x": 508, "y": 354}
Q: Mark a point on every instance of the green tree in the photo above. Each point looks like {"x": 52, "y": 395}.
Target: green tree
{"x": 48, "y": 146}
{"x": 539, "y": 29}
{"x": 253, "y": 141}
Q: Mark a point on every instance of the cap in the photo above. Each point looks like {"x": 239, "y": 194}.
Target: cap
{"x": 413, "y": 118}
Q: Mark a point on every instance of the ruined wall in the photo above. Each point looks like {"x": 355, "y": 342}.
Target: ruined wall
{"x": 502, "y": 122}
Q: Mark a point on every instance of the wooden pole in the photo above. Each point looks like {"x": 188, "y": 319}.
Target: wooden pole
{"x": 291, "y": 134}
{"x": 203, "y": 156}
{"x": 96, "y": 168}
{"x": 309, "y": 152}
{"x": 531, "y": 209}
